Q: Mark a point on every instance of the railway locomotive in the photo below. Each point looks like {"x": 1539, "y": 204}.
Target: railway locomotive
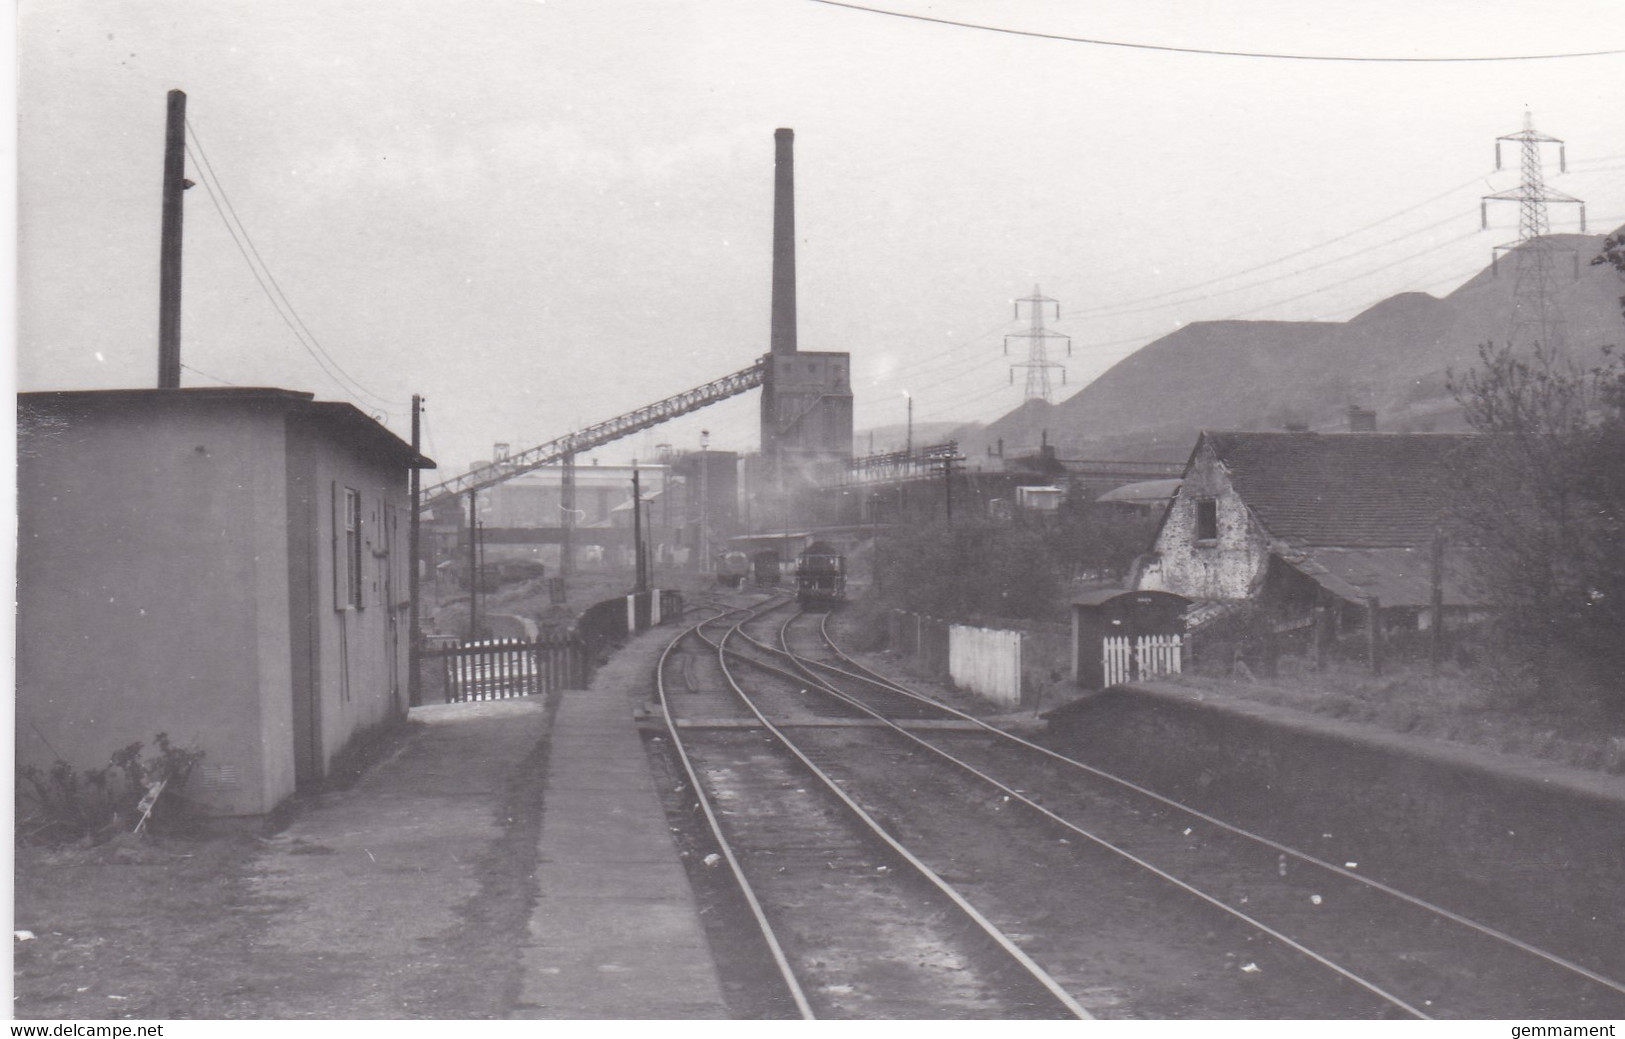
{"x": 820, "y": 575}
{"x": 733, "y": 568}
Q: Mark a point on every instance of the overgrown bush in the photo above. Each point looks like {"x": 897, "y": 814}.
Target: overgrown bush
{"x": 1019, "y": 570}
{"x": 63, "y": 804}
{"x": 1543, "y": 510}
{"x": 1240, "y": 640}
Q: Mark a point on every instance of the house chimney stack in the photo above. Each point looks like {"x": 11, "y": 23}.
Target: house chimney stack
{"x": 783, "y": 336}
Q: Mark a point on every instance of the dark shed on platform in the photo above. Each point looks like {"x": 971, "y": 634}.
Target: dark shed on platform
{"x": 1134, "y": 625}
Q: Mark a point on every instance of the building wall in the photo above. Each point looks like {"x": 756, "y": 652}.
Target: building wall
{"x": 152, "y": 593}
{"x": 703, "y": 495}
{"x": 360, "y": 650}
{"x": 1230, "y": 566}
{"x": 535, "y": 498}
{"x": 176, "y": 574}
{"x": 807, "y": 416}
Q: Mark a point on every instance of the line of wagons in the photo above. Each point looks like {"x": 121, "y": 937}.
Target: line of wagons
{"x": 820, "y": 573}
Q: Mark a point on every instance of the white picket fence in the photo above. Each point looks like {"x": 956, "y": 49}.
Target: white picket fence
{"x": 1159, "y": 655}
{"x": 1117, "y": 657}
{"x": 1146, "y": 657}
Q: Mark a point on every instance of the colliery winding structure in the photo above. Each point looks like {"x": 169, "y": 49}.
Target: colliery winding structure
{"x": 806, "y": 415}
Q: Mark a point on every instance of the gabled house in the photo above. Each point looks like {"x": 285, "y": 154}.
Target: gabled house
{"x": 228, "y": 566}
{"x": 1296, "y": 520}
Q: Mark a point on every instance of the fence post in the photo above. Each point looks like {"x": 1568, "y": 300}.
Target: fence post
{"x": 1373, "y": 627}
{"x": 1436, "y": 601}
{"x": 1322, "y": 634}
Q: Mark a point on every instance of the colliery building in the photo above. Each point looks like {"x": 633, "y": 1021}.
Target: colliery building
{"x": 806, "y": 397}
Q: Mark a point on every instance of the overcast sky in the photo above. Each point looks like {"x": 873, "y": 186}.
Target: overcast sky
{"x": 542, "y": 214}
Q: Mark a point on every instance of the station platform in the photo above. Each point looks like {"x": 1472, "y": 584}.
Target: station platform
{"x": 615, "y": 933}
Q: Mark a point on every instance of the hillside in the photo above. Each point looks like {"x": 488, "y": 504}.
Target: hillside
{"x": 1393, "y": 357}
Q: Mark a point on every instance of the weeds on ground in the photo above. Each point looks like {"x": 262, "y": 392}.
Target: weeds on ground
{"x": 135, "y": 928}
{"x": 1473, "y": 704}
{"x": 62, "y": 804}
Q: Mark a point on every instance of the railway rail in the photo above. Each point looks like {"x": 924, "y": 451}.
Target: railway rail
{"x": 858, "y": 925}
{"x": 1131, "y": 904}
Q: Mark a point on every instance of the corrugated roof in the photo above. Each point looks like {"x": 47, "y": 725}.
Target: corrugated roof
{"x": 1344, "y": 489}
{"x": 1394, "y": 576}
{"x": 1145, "y": 492}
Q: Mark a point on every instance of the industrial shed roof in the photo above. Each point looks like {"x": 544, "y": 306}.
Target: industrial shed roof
{"x": 1145, "y": 492}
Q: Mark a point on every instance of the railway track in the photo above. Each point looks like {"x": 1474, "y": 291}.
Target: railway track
{"x": 1414, "y": 958}
{"x": 1107, "y": 897}
{"x": 856, "y": 924}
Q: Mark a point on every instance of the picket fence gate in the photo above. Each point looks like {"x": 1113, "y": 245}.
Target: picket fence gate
{"x": 499, "y": 669}
{"x": 1147, "y": 656}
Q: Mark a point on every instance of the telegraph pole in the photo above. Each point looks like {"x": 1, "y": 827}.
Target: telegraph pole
{"x": 950, "y": 465}
{"x": 169, "y": 251}
{"x": 642, "y": 577}
{"x": 908, "y": 443}
{"x": 567, "y": 502}
{"x": 1038, "y": 364}
{"x": 473, "y": 568}
{"x": 705, "y": 502}
{"x": 414, "y": 691}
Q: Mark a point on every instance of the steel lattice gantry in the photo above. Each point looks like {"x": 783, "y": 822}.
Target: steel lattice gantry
{"x": 595, "y": 435}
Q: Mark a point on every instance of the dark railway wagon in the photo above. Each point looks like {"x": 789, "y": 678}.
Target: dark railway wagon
{"x": 765, "y": 568}
{"x": 820, "y": 575}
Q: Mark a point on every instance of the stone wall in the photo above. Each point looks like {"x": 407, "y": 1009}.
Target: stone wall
{"x": 1229, "y": 566}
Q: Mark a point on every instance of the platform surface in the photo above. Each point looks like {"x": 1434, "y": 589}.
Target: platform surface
{"x": 616, "y": 933}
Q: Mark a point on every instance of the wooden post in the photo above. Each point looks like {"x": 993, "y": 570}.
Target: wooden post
{"x": 1373, "y": 630}
{"x": 1436, "y": 600}
{"x": 414, "y": 685}
{"x": 473, "y": 568}
{"x": 704, "y": 547}
{"x": 169, "y": 246}
{"x": 642, "y": 577}
{"x": 567, "y": 501}
{"x": 1322, "y": 634}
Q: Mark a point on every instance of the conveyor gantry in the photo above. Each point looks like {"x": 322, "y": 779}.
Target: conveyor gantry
{"x": 595, "y": 436}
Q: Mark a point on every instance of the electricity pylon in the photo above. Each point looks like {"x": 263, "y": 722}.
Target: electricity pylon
{"x": 1536, "y": 320}
{"x": 1038, "y": 364}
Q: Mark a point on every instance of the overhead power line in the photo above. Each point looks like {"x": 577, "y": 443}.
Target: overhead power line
{"x": 272, "y": 289}
{"x": 1316, "y": 247}
{"x": 206, "y": 375}
{"x": 1332, "y": 261}
{"x": 1214, "y": 52}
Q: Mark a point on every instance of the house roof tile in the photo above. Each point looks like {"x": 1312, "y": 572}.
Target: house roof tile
{"x": 1366, "y": 490}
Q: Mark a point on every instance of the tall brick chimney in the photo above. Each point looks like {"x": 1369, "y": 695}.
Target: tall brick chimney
{"x": 783, "y": 337}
